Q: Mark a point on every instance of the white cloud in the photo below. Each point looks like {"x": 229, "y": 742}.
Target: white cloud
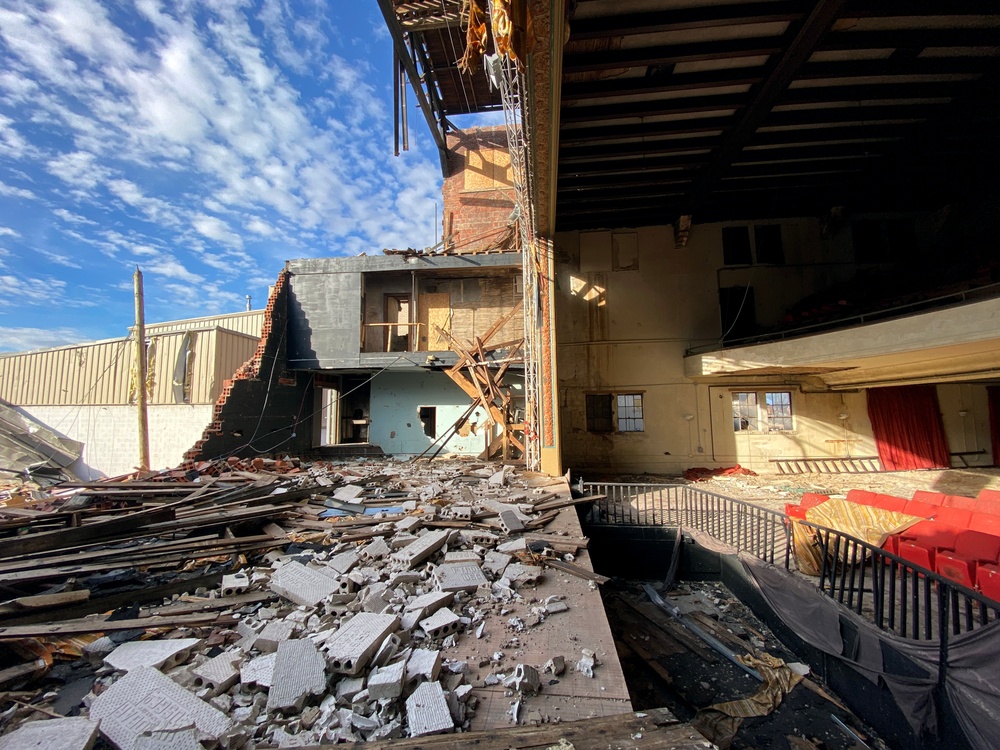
{"x": 30, "y": 291}
{"x": 72, "y": 218}
{"x": 59, "y": 259}
{"x": 10, "y": 191}
{"x": 216, "y": 229}
{"x": 26, "y": 339}
{"x": 8, "y": 232}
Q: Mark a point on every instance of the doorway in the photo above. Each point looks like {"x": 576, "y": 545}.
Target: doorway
{"x": 397, "y": 310}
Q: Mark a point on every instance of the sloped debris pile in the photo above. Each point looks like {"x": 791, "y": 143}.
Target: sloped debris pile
{"x": 295, "y": 604}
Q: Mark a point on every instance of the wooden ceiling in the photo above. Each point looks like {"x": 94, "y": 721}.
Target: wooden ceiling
{"x": 747, "y": 109}
{"x": 736, "y": 110}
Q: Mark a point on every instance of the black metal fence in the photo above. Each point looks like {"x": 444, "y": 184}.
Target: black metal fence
{"x": 894, "y": 594}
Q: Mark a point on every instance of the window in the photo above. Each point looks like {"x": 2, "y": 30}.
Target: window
{"x": 630, "y": 412}
{"x": 428, "y": 417}
{"x": 610, "y": 412}
{"x": 736, "y": 246}
{"x": 767, "y": 411}
{"x": 599, "y": 413}
{"x": 767, "y": 248}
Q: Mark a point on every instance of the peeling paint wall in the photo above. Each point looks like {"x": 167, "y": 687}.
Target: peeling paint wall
{"x": 629, "y": 304}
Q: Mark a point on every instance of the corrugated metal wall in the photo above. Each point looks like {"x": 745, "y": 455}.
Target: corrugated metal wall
{"x": 250, "y": 323}
{"x": 187, "y": 367}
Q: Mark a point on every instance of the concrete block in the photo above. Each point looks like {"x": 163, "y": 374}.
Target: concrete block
{"x": 274, "y": 633}
{"x": 510, "y": 522}
{"x": 343, "y": 562}
{"x": 427, "y": 711}
{"x": 218, "y": 674}
{"x": 494, "y": 562}
{"x": 386, "y": 683}
{"x": 259, "y": 671}
{"x": 302, "y": 585}
{"x": 52, "y": 734}
{"x": 423, "y": 664}
{"x": 476, "y": 536}
{"x": 170, "y": 739}
{"x": 388, "y": 649}
{"x": 376, "y": 549}
{"x": 166, "y": 653}
{"x": 146, "y": 700}
{"x": 299, "y": 672}
{"x": 351, "y": 647}
{"x": 459, "y": 577}
{"x": 348, "y": 492}
{"x": 462, "y": 555}
{"x": 235, "y": 584}
{"x": 408, "y": 525}
{"x": 442, "y": 623}
{"x": 420, "y": 550}
{"x": 461, "y": 512}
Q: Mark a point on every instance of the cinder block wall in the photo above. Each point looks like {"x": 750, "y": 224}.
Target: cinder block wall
{"x": 109, "y": 434}
{"x": 478, "y": 191}
{"x": 266, "y": 409}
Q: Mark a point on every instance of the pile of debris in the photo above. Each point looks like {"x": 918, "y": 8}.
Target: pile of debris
{"x": 302, "y": 603}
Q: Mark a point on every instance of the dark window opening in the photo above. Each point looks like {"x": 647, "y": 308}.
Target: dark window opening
{"x": 428, "y": 417}
{"x": 736, "y": 246}
{"x": 599, "y": 416}
{"x": 767, "y": 238}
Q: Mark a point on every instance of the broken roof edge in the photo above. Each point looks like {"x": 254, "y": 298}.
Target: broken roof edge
{"x": 364, "y": 263}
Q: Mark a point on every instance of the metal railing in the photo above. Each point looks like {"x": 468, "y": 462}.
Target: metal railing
{"x": 889, "y": 591}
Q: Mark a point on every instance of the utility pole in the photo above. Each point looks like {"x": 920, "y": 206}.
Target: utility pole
{"x": 140, "y": 368}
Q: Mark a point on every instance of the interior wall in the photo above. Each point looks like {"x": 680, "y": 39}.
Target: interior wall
{"x": 965, "y": 413}
{"x": 396, "y": 399}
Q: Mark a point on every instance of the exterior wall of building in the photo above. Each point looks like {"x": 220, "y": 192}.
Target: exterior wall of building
{"x": 478, "y": 190}
{"x": 396, "y": 400}
{"x": 109, "y": 434}
{"x": 629, "y": 305}
{"x": 249, "y": 323}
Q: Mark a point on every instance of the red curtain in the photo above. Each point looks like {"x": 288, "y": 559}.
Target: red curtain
{"x": 906, "y": 423}
{"x": 993, "y": 393}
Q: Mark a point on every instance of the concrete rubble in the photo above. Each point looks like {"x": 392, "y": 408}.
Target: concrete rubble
{"x": 341, "y": 637}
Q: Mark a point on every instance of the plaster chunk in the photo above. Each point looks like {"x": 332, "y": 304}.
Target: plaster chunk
{"x": 156, "y": 653}
{"x": 423, "y": 664}
{"x": 351, "y": 647}
{"x": 170, "y": 739}
{"x": 299, "y": 672}
{"x": 348, "y": 492}
{"x": 495, "y": 562}
{"x": 348, "y": 687}
{"x": 459, "y": 577}
{"x": 146, "y": 700}
{"x": 525, "y": 679}
{"x": 343, "y": 562}
{"x": 519, "y": 573}
{"x": 273, "y": 634}
{"x": 52, "y": 734}
{"x": 386, "y": 683}
{"x": 427, "y": 711}
{"x": 302, "y": 585}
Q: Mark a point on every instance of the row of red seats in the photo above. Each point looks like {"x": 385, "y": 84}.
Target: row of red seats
{"x": 959, "y": 540}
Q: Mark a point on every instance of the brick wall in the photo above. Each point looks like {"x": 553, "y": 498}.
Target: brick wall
{"x": 478, "y": 191}
{"x": 265, "y": 409}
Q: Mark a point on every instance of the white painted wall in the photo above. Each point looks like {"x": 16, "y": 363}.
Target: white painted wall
{"x": 110, "y": 434}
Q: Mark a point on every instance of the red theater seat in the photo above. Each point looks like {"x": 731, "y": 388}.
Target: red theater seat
{"x": 931, "y": 498}
{"x": 972, "y": 548}
{"x": 795, "y": 511}
{"x": 988, "y": 580}
{"x": 890, "y": 503}
{"x": 861, "y": 497}
{"x": 988, "y": 501}
{"x": 917, "y": 508}
{"x": 916, "y": 553}
{"x": 988, "y": 523}
{"x": 954, "y": 517}
{"x": 958, "y": 501}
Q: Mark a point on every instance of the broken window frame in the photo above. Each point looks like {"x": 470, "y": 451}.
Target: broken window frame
{"x": 763, "y": 411}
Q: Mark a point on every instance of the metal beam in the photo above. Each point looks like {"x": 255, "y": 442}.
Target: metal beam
{"x": 815, "y": 26}
{"x": 399, "y": 42}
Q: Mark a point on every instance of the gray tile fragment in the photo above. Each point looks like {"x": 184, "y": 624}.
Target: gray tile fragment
{"x": 427, "y": 711}
{"x": 153, "y": 653}
{"x": 302, "y": 585}
{"x": 52, "y": 734}
{"x": 299, "y": 672}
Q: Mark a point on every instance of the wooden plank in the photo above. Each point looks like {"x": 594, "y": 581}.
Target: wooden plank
{"x": 575, "y": 570}
{"x": 100, "y": 625}
{"x": 654, "y": 729}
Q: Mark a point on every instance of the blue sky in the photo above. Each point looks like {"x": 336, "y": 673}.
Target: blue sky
{"x": 207, "y": 141}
